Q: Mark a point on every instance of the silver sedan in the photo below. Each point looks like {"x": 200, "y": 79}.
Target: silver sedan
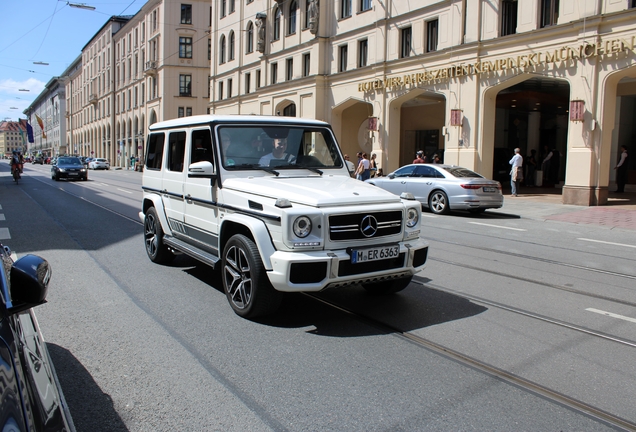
{"x": 443, "y": 188}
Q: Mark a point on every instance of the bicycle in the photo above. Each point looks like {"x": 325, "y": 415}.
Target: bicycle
{"x": 15, "y": 171}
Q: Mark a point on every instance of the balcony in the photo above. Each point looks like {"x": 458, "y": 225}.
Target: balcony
{"x": 150, "y": 68}
{"x": 92, "y": 98}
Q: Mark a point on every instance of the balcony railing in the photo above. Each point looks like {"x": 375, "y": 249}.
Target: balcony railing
{"x": 150, "y": 67}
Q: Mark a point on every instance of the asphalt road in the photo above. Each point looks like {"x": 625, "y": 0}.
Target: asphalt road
{"x": 507, "y": 311}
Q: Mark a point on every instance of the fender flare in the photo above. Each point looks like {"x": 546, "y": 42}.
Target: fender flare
{"x": 153, "y": 200}
{"x": 259, "y": 232}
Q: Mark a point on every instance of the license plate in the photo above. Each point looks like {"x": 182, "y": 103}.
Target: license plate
{"x": 73, "y": 173}
{"x": 374, "y": 254}
{"x": 490, "y": 189}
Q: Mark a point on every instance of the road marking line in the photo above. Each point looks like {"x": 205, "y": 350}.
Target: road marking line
{"x": 2, "y": 217}
{"x": 613, "y": 315}
{"x": 428, "y": 215}
{"x": 4, "y": 234}
{"x": 606, "y": 242}
{"x": 123, "y": 190}
{"x": 498, "y": 226}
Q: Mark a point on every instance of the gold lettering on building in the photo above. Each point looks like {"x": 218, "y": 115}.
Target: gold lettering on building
{"x": 584, "y": 51}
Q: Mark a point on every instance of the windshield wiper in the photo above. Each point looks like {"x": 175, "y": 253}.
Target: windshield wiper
{"x": 256, "y": 166}
{"x": 316, "y": 170}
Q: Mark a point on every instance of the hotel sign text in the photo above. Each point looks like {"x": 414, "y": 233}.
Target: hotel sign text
{"x": 583, "y": 51}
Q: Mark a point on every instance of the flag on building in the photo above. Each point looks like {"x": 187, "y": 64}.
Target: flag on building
{"x": 41, "y": 123}
{"x": 29, "y": 133}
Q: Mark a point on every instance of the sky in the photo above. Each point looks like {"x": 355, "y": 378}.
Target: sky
{"x": 45, "y": 31}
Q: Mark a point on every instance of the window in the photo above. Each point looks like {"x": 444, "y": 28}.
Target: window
{"x": 289, "y": 72}
{"x": 209, "y": 49}
{"x": 363, "y": 53}
{"x": 277, "y": 18}
{"x": 185, "y": 85}
{"x": 365, "y": 5}
{"x": 155, "y": 151}
{"x": 229, "y": 88}
{"x": 230, "y": 47}
{"x": 306, "y": 64}
{"x": 220, "y": 90}
{"x": 508, "y": 17}
{"x": 345, "y": 9}
{"x": 293, "y": 12}
{"x": 185, "y": 47}
{"x": 232, "y": 6}
{"x": 343, "y": 52}
{"x": 258, "y": 78}
{"x": 249, "y": 42}
{"x": 431, "y": 35}
{"x": 180, "y": 112}
{"x": 248, "y": 78}
{"x": 201, "y": 146}
{"x": 290, "y": 110}
{"x": 274, "y": 73}
{"x": 223, "y": 8}
{"x": 549, "y": 12}
{"x": 176, "y": 151}
{"x": 188, "y": 111}
{"x": 186, "y": 14}
{"x": 222, "y": 50}
{"x": 405, "y": 42}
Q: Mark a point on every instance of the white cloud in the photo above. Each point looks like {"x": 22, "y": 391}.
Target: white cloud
{"x": 10, "y": 86}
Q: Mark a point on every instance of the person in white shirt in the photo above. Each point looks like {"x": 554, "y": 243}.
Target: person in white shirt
{"x": 350, "y": 166}
{"x": 278, "y": 153}
{"x": 516, "y": 174}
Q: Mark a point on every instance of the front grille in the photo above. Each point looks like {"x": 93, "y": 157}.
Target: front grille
{"x": 348, "y": 227}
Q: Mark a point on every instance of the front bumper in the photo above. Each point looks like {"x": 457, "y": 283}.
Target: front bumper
{"x": 317, "y": 270}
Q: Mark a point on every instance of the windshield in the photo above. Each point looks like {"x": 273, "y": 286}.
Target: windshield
{"x": 69, "y": 161}
{"x": 277, "y": 147}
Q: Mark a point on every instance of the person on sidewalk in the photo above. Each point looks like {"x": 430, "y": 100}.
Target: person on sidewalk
{"x": 516, "y": 174}
{"x": 621, "y": 171}
{"x": 531, "y": 167}
{"x": 418, "y": 158}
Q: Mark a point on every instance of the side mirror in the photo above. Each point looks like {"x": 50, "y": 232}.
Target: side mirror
{"x": 391, "y": 176}
{"x": 29, "y": 279}
{"x": 203, "y": 169}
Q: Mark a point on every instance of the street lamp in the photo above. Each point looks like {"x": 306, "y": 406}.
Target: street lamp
{"x": 81, "y": 6}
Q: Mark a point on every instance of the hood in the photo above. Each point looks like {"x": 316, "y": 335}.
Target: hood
{"x": 315, "y": 191}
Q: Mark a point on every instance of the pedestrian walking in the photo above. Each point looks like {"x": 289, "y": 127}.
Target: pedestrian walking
{"x": 621, "y": 171}
{"x": 418, "y": 158}
{"x": 516, "y": 174}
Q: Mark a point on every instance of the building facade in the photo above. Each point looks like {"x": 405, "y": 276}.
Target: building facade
{"x": 46, "y": 116}
{"x": 469, "y": 80}
{"x": 13, "y": 137}
{"x": 138, "y": 70}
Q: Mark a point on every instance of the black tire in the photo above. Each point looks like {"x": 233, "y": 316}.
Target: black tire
{"x": 245, "y": 282}
{"x": 388, "y": 286}
{"x": 438, "y": 202}
{"x": 16, "y": 175}
{"x": 157, "y": 251}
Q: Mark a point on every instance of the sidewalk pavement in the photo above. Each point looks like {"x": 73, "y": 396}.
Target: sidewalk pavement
{"x": 546, "y": 205}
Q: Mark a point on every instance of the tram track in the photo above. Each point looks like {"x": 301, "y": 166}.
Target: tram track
{"x": 513, "y": 379}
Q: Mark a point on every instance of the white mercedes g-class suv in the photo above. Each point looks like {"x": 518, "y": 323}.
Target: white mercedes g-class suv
{"x": 270, "y": 201}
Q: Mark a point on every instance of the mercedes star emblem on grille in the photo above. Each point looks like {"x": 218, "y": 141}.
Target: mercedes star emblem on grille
{"x": 369, "y": 226}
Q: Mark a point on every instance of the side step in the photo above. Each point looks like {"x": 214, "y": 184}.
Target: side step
{"x": 193, "y": 251}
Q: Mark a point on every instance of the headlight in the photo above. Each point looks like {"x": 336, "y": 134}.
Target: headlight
{"x": 61, "y": 170}
{"x": 302, "y": 226}
{"x": 411, "y": 217}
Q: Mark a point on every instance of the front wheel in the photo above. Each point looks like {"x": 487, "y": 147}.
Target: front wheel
{"x": 438, "y": 202}
{"x": 244, "y": 279}
{"x": 388, "y": 286}
{"x": 157, "y": 251}
{"x": 16, "y": 175}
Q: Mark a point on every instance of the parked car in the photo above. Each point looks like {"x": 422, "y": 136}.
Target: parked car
{"x": 30, "y": 395}
{"x": 443, "y": 188}
{"x": 99, "y": 163}
{"x": 38, "y": 160}
{"x": 69, "y": 168}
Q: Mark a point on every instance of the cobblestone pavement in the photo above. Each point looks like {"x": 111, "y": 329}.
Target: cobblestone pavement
{"x": 541, "y": 204}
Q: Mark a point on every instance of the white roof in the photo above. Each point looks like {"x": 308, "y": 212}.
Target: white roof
{"x": 203, "y": 119}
